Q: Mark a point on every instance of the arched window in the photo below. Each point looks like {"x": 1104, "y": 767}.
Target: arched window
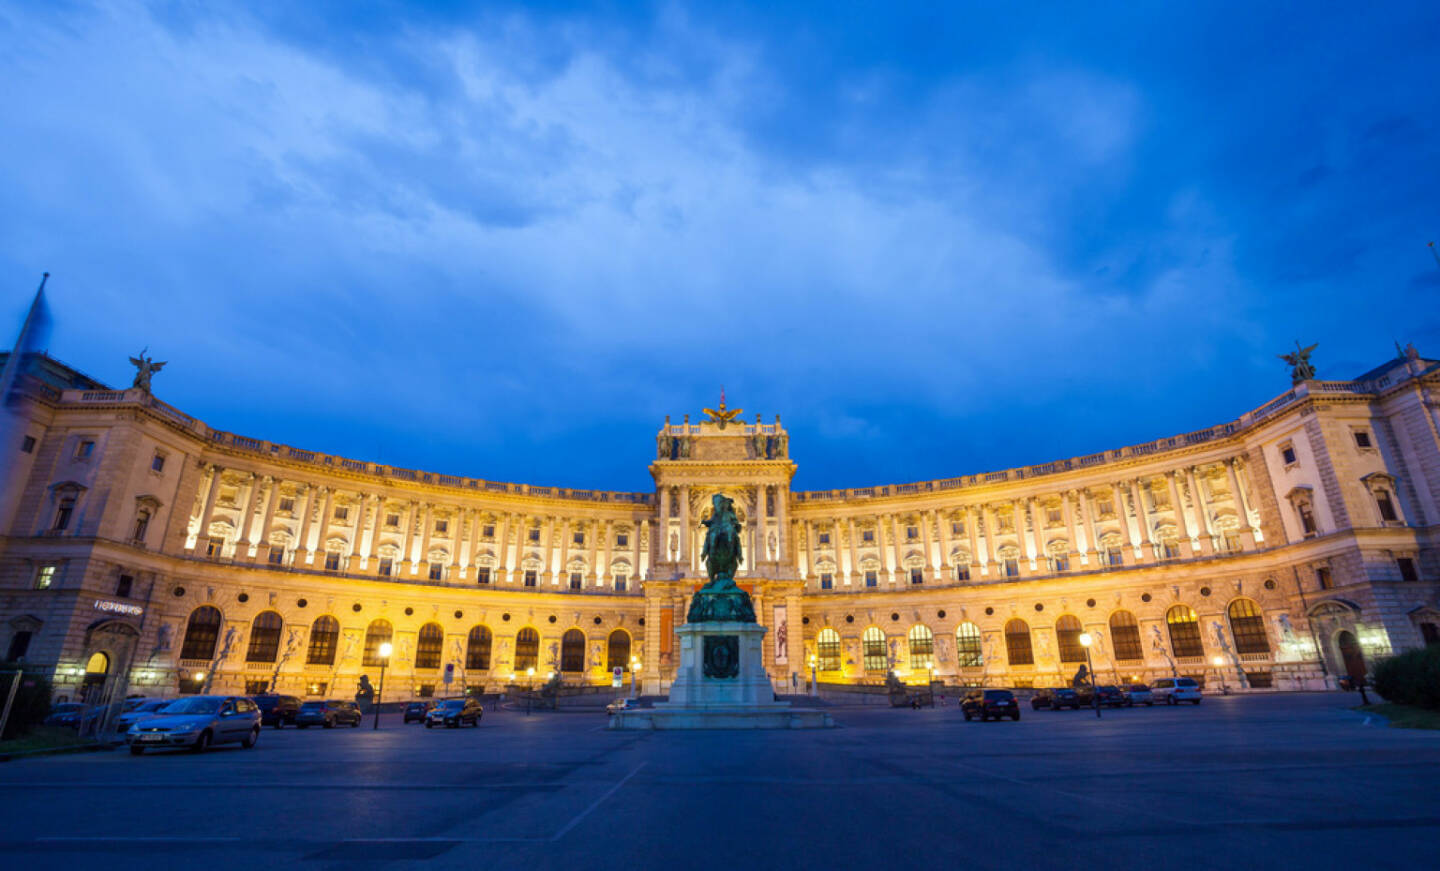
{"x": 477, "y": 650}
{"x": 428, "y": 646}
{"x": 922, "y": 647}
{"x": 618, "y": 650}
{"x": 1125, "y": 637}
{"x": 527, "y": 649}
{"x": 1067, "y": 636}
{"x": 376, "y": 634}
{"x": 876, "y": 657}
{"x": 99, "y": 663}
{"x": 827, "y": 650}
{"x": 1017, "y": 643}
{"x": 324, "y": 634}
{"x": 967, "y": 645}
{"x": 572, "y": 651}
{"x": 1184, "y": 632}
{"x": 201, "y": 633}
{"x": 1247, "y": 624}
{"x": 264, "y": 637}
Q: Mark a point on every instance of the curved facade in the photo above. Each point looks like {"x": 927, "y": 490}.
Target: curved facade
{"x": 1280, "y": 550}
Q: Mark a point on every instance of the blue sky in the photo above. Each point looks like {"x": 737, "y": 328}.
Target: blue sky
{"x": 505, "y": 243}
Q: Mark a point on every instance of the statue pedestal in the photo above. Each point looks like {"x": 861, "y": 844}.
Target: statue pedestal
{"x": 721, "y": 684}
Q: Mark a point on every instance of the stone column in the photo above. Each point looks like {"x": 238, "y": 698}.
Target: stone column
{"x": 1142, "y": 514}
{"x": 357, "y": 539}
{"x": 547, "y": 534}
{"x": 973, "y": 534}
{"x": 1242, "y": 506}
{"x": 899, "y": 568}
{"x": 1182, "y": 522}
{"x": 262, "y": 535}
{"x": 1022, "y": 513}
{"x": 376, "y": 522}
{"x": 642, "y": 554}
{"x": 992, "y": 536}
{"x": 687, "y": 557}
{"x": 302, "y": 544}
{"x": 854, "y": 550}
{"x": 944, "y": 521}
{"x": 407, "y": 537}
{"x": 1123, "y": 509}
{"x": 1072, "y": 531}
{"x": 327, "y": 512}
{"x": 927, "y": 537}
{"x": 782, "y": 532}
{"x": 601, "y": 562}
{"x": 567, "y": 530}
{"x": 1087, "y": 508}
{"x": 207, "y": 514}
{"x": 1197, "y": 492}
{"x": 245, "y": 514}
{"x": 883, "y": 543}
{"x": 504, "y": 559}
{"x": 459, "y": 543}
{"x": 427, "y": 526}
{"x": 762, "y": 528}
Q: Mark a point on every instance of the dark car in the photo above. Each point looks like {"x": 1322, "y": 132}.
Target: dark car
{"x": 454, "y": 713}
{"x": 277, "y": 710}
{"x": 64, "y": 714}
{"x": 332, "y": 713}
{"x": 990, "y": 703}
{"x": 417, "y": 711}
{"x": 1060, "y": 697}
{"x": 1111, "y": 696}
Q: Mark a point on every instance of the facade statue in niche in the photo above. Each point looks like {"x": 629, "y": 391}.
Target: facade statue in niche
{"x": 1157, "y": 643}
{"x": 144, "y": 368}
{"x": 1300, "y": 366}
{"x": 674, "y": 546}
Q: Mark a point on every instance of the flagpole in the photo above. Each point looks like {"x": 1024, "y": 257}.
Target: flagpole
{"x": 12, "y": 363}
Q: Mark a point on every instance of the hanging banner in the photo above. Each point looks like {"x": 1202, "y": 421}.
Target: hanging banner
{"x": 782, "y": 636}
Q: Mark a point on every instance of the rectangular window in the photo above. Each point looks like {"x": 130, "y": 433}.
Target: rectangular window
{"x": 142, "y": 524}
{"x": 827, "y": 581}
{"x": 84, "y": 449}
{"x": 1287, "y": 453}
{"x": 962, "y": 573}
{"x": 1307, "y": 519}
{"x": 214, "y": 547}
{"x": 622, "y": 539}
{"x": 437, "y": 572}
{"x": 392, "y": 520}
{"x": 387, "y": 566}
{"x": 1059, "y": 564}
{"x": 256, "y": 687}
{"x": 317, "y": 688}
{"x": 576, "y": 580}
{"x": 427, "y": 690}
{"x": 482, "y": 575}
{"x": 20, "y": 643}
{"x": 287, "y": 503}
{"x": 1407, "y": 568}
{"x": 620, "y": 583}
{"x": 957, "y": 527}
{"x": 277, "y": 555}
{"x": 45, "y": 577}
{"x": 912, "y": 532}
{"x": 488, "y": 530}
{"x": 1105, "y": 506}
{"x": 442, "y": 527}
{"x": 63, "y": 513}
{"x": 1053, "y": 515}
{"x": 1170, "y": 550}
{"x": 1012, "y": 567}
{"x": 1387, "y": 507}
{"x": 1322, "y": 577}
{"x": 157, "y": 462}
{"x": 917, "y": 576}
{"x": 872, "y": 579}
{"x": 342, "y": 512}
{"x": 824, "y": 538}
{"x": 868, "y": 535}
{"x": 1230, "y": 542}
{"x": 530, "y": 578}
{"x": 332, "y": 562}
{"x": 535, "y": 535}
{"x": 27, "y": 444}
{"x": 123, "y": 585}
{"x": 578, "y": 538}
{"x": 1362, "y": 439}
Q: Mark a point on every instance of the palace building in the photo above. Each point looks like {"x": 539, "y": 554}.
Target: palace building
{"x": 145, "y": 551}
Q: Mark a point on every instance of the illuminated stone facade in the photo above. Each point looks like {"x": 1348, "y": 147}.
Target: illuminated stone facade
{"x": 1277, "y": 544}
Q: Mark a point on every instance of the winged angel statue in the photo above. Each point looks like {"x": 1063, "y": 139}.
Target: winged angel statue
{"x": 144, "y": 368}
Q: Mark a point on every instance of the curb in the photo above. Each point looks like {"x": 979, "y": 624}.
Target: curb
{"x": 55, "y": 751}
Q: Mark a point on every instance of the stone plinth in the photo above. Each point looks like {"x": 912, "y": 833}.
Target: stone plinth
{"x": 721, "y": 684}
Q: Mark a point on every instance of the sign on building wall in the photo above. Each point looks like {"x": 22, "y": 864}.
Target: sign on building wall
{"x": 782, "y": 636}
{"x": 118, "y": 608}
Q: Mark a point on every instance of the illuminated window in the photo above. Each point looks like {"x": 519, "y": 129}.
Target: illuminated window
{"x": 527, "y": 649}
{"x": 317, "y": 688}
{"x": 871, "y": 579}
{"x": 1184, "y": 632}
{"x": 1017, "y": 643}
{"x": 45, "y": 577}
{"x": 477, "y": 649}
{"x": 617, "y": 651}
{"x": 827, "y": 581}
{"x": 201, "y": 633}
{"x": 967, "y": 645}
{"x": 264, "y": 637}
{"x": 827, "y": 650}
{"x": 572, "y": 650}
{"x": 427, "y": 646}
{"x": 1247, "y": 625}
{"x": 1125, "y": 637}
{"x": 377, "y": 633}
{"x": 1067, "y": 635}
{"x": 922, "y": 647}
{"x": 877, "y": 657}
{"x": 1011, "y": 566}
{"x": 256, "y": 687}
{"x": 324, "y": 634}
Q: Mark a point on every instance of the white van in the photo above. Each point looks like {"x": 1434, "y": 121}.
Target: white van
{"x": 1173, "y": 690}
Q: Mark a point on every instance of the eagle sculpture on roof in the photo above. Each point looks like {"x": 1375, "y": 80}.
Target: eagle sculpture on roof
{"x": 723, "y": 415}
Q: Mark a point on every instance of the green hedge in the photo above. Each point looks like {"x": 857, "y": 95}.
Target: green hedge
{"x": 32, "y": 700}
{"x": 1412, "y": 678}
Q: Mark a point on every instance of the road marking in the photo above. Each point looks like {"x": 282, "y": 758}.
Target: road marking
{"x": 596, "y": 803}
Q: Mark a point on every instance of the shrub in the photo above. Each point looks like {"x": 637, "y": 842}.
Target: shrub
{"x": 32, "y": 699}
{"x": 1412, "y": 678}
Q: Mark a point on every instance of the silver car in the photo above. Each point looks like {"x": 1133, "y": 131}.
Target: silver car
{"x": 198, "y": 722}
{"x": 145, "y": 710}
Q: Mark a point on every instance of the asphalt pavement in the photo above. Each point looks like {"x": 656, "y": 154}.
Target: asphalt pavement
{"x": 1284, "y": 780}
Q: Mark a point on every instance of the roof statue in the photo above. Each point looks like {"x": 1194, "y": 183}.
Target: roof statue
{"x": 1300, "y": 368}
{"x": 723, "y": 416}
{"x": 720, "y": 599}
{"x": 145, "y": 367}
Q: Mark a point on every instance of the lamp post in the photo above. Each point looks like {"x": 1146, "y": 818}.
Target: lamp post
{"x": 634, "y": 670}
{"x": 385, "y": 649}
{"x": 814, "y": 679}
{"x": 1219, "y": 663}
{"x": 1085, "y": 641}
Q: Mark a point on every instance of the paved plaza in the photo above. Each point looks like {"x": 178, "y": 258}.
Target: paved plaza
{"x": 1283, "y": 781}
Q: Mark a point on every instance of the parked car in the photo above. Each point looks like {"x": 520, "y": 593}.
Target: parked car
{"x": 330, "y": 713}
{"x": 1110, "y": 696}
{"x": 147, "y": 709}
{"x": 1173, "y": 690}
{"x": 64, "y": 714}
{"x": 1055, "y": 699}
{"x": 1138, "y": 694}
{"x": 198, "y": 722}
{"x": 454, "y": 713}
{"x": 990, "y": 703}
{"x": 277, "y": 710}
{"x": 417, "y": 711}
{"x": 619, "y": 705}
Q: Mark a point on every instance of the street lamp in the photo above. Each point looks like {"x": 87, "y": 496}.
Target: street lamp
{"x": 1085, "y": 641}
{"x": 1219, "y": 663}
{"x": 634, "y": 670}
{"x": 385, "y": 649}
{"x": 814, "y": 678}
{"x": 530, "y": 676}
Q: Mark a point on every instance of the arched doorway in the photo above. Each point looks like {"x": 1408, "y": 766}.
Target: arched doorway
{"x": 572, "y": 651}
{"x": 1350, "y": 653}
{"x": 97, "y": 669}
